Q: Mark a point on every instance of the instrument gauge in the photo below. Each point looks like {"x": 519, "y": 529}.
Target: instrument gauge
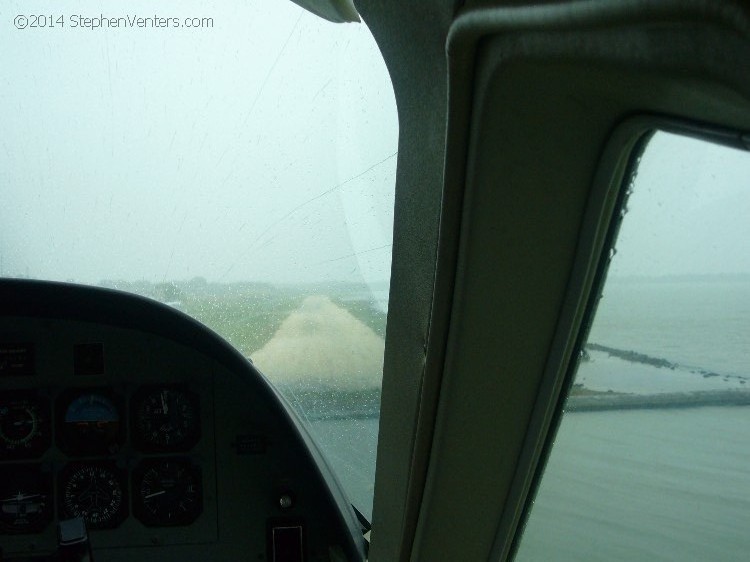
{"x": 25, "y": 499}
{"x": 89, "y": 422}
{"x": 164, "y": 419}
{"x": 96, "y": 491}
{"x": 167, "y": 492}
{"x": 25, "y": 429}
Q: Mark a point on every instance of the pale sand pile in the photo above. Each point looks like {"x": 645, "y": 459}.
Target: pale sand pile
{"x": 321, "y": 343}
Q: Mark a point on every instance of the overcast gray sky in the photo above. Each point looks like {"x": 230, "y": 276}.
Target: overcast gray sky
{"x": 689, "y": 213}
{"x": 261, "y": 148}
{"x": 152, "y": 153}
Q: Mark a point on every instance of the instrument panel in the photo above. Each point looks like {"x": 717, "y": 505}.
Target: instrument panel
{"x": 91, "y": 423}
{"x": 167, "y": 442}
{"x": 123, "y": 452}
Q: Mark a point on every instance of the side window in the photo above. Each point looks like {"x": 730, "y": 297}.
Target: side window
{"x": 652, "y": 458}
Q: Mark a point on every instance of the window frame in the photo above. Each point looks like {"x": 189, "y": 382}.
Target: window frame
{"x": 605, "y": 214}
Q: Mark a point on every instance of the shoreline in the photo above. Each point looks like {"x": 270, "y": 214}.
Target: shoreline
{"x": 327, "y": 404}
{"x": 618, "y": 401}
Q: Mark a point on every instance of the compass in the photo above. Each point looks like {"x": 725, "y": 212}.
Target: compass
{"x": 96, "y": 491}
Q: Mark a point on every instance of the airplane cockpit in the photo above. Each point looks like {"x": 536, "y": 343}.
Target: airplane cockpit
{"x": 156, "y": 431}
{"x": 348, "y": 280}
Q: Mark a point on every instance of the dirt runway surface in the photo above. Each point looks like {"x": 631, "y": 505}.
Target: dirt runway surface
{"x": 323, "y": 344}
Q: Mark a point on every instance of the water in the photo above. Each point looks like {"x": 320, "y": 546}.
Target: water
{"x": 700, "y": 327}
{"x": 654, "y": 484}
{"x": 671, "y": 485}
{"x": 632, "y": 485}
{"x": 699, "y": 324}
{"x": 645, "y": 485}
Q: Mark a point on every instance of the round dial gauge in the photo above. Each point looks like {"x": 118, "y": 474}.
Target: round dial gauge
{"x": 167, "y": 492}
{"x": 24, "y": 425}
{"x": 25, "y": 499}
{"x": 90, "y": 423}
{"x": 165, "y": 418}
{"x": 94, "y": 491}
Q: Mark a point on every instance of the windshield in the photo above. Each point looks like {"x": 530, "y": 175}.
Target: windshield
{"x": 234, "y": 160}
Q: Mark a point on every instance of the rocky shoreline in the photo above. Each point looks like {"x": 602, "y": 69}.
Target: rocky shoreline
{"x": 619, "y": 401}
{"x": 318, "y": 404}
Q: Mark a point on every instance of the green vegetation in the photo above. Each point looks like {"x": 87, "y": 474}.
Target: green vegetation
{"x": 366, "y": 312}
{"x": 247, "y": 321}
{"x": 247, "y": 315}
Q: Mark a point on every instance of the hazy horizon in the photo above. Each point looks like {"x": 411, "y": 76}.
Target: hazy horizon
{"x": 261, "y": 148}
